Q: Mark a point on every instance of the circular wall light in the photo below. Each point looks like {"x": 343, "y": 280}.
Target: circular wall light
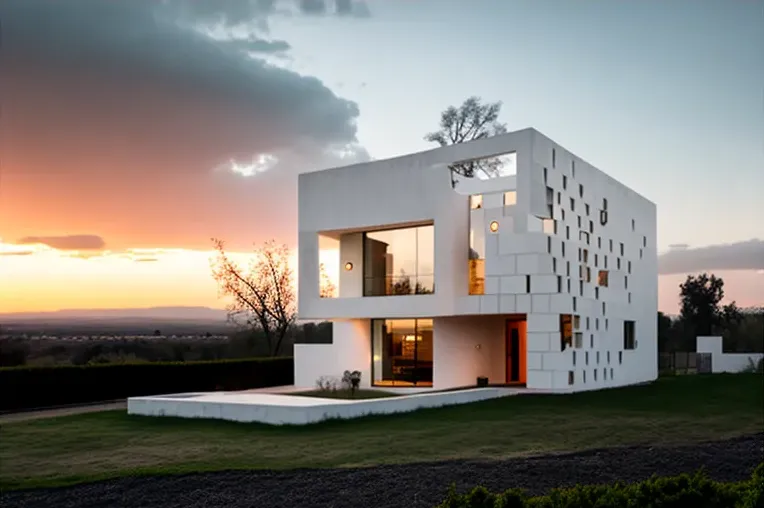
{"x": 494, "y": 226}
{"x": 348, "y": 266}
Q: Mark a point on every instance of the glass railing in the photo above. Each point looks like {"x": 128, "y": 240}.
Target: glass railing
{"x": 477, "y": 276}
{"x": 399, "y": 285}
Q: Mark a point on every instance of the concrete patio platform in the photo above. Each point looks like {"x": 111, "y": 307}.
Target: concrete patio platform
{"x": 284, "y": 409}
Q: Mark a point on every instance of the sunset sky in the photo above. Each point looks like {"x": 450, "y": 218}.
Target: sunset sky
{"x": 133, "y": 131}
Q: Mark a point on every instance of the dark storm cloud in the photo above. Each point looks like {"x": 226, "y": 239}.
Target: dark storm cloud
{"x": 732, "y": 256}
{"x": 142, "y": 111}
{"x": 132, "y": 42}
{"x": 68, "y": 242}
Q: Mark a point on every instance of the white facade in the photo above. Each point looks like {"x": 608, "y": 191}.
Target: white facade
{"x": 541, "y": 247}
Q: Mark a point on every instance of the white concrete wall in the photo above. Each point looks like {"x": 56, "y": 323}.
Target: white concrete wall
{"x": 410, "y": 190}
{"x": 351, "y": 251}
{"x": 725, "y": 362}
{"x": 520, "y": 251}
{"x": 467, "y": 347}
{"x": 417, "y": 188}
{"x": 350, "y": 350}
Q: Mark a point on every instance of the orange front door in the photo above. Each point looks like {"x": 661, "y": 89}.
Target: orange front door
{"x": 516, "y": 351}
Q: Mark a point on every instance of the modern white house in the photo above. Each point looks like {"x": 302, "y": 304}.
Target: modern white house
{"x": 543, "y": 276}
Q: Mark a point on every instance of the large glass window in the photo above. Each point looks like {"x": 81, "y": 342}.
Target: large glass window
{"x": 402, "y": 352}
{"x": 399, "y": 261}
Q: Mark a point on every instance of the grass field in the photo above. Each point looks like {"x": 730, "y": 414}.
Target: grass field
{"x": 86, "y": 447}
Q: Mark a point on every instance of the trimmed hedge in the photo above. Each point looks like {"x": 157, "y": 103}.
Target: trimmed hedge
{"x": 30, "y": 387}
{"x": 696, "y": 491}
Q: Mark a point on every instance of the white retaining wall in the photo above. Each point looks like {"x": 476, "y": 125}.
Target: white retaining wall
{"x": 725, "y": 362}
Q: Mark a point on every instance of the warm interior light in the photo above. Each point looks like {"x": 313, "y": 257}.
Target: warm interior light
{"x": 412, "y": 338}
{"x": 348, "y": 266}
{"x": 494, "y": 227}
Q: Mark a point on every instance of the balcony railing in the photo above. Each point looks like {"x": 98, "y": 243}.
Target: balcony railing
{"x": 399, "y": 285}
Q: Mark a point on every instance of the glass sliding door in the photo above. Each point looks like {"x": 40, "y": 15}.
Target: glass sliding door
{"x": 399, "y": 261}
{"x": 402, "y": 351}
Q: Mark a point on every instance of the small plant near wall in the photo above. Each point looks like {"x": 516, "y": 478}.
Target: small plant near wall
{"x": 326, "y": 384}
{"x": 351, "y": 380}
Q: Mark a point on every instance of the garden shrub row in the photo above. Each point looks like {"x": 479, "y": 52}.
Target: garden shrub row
{"x": 31, "y": 387}
{"x": 685, "y": 491}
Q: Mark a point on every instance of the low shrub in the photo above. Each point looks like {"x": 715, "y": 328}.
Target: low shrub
{"x": 30, "y": 387}
{"x": 682, "y": 491}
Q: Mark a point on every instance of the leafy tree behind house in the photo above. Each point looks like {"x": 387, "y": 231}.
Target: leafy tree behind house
{"x": 700, "y": 298}
{"x": 470, "y": 121}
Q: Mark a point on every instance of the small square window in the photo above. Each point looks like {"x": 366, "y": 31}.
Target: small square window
{"x": 476, "y": 201}
{"x": 510, "y": 197}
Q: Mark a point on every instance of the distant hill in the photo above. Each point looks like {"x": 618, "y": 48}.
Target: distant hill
{"x": 182, "y": 313}
{"x": 168, "y": 320}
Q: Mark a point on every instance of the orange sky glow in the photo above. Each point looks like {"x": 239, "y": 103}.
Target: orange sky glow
{"x": 40, "y": 278}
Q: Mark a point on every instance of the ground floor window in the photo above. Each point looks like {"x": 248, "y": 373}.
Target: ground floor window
{"x": 402, "y": 352}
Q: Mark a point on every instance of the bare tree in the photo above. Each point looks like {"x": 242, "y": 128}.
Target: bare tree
{"x": 327, "y": 289}
{"x": 472, "y": 120}
{"x": 262, "y": 297}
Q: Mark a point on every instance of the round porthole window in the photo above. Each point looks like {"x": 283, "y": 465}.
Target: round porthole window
{"x": 494, "y": 226}
{"x": 348, "y": 266}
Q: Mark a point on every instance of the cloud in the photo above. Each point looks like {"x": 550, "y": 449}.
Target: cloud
{"x": 17, "y": 253}
{"x": 732, "y": 256}
{"x": 68, "y": 242}
{"x": 160, "y": 120}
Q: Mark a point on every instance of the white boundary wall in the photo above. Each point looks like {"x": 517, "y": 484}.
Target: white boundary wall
{"x": 725, "y": 362}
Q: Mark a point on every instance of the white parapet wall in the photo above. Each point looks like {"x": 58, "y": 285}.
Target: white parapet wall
{"x": 725, "y": 362}
{"x": 275, "y": 409}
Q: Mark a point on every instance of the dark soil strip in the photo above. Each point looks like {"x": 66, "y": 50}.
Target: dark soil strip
{"x": 410, "y": 486}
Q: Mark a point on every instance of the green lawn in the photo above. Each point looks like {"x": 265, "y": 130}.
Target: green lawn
{"x": 346, "y": 394}
{"x": 85, "y": 447}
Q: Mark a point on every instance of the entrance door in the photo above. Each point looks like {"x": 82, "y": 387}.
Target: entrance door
{"x": 515, "y": 349}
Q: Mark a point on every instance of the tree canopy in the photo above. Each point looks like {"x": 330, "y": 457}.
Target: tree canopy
{"x": 470, "y": 121}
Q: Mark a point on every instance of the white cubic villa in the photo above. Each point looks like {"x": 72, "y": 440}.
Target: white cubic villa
{"x": 542, "y": 276}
